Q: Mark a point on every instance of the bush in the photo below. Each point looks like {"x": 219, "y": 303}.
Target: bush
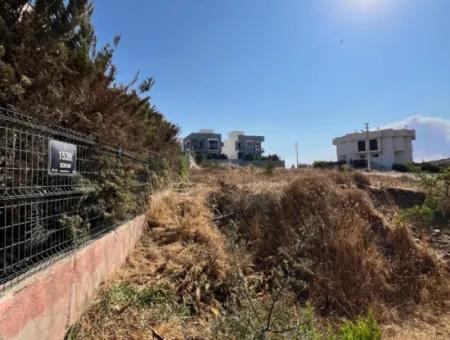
{"x": 400, "y": 168}
{"x": 358, "y": 163}
{"x": 437, "y": 203}
{"x": 216, "y": 156}
{"x": 273, "y": 157}
{"x": 420, "y": 215}
{"x": 269, "y": 169}
{"x": 249, "y": 157}
{"x": 324, "y": 233}
{"x": 361, "y": 329}
{"x": 361, "y": 180}
{"x": 199, "y": 158}
{"x": 345, "y": 168}
{"x": 184, "y": 167}
{"x": 327, "y": 165}
{"x": 250, "y": 322}
{"x": 428, "y": 167}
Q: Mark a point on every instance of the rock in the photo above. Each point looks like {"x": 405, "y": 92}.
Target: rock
{"x": 436, "y": 232}
{"x": 402, "y": 198}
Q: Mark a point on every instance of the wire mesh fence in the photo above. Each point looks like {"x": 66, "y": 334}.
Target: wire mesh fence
{"x": 45, "y": 215}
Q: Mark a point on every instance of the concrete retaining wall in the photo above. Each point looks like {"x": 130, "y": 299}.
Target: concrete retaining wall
{"x": 44, "y": 305}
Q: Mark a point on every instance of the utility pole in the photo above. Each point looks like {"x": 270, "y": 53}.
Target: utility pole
{"x": 368, "y": 148}
{"x": 296, "y": 153}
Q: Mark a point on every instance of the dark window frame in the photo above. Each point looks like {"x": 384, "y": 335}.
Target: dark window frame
{"x": 361, "y": 146}
{"x": 373, "y": 144}
{"x": 216, "y": 148}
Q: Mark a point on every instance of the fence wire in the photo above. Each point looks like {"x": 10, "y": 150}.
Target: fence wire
{"x": 42, "y": 216}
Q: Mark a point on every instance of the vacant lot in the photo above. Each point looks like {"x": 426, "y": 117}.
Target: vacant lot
{"x": 247, "y": 253}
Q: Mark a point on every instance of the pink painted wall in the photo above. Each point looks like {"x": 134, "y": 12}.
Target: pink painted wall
{"x": 44, "y": 305}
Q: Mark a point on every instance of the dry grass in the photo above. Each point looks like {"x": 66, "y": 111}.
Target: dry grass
{"x": 344, "y": 252}
{"x": 183, "y": 256}
{"x": 318, "y": 227}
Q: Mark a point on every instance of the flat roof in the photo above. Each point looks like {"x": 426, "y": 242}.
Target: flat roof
{"x": 375, "y": 134}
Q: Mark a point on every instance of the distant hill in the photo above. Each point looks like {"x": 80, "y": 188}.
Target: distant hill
{"x": 440, "y": 162}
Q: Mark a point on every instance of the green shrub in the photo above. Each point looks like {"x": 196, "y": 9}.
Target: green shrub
{"x": 361, "y": 329}
{"x": 327, "y": 165}
{"x": 199, "y": 158}
{"x": 249, "y": 157}
{"x": 269, "y": 169}
{"x": 345, "y": 168}
{"x": 400, "y": 168}
{"x": 420, "y": 215}
{"x": 184, "y": 167}
{"x": 246, "y": 322}
{"x": 117, "y": 195}
{"x": 122, "y": 296}
{"x": 216, "y": 156}
{"x": 273, "y": 157}
{"x": 437, "y": 204}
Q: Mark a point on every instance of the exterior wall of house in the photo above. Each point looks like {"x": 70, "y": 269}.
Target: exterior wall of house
{"x": 250, "y": 145}
{"x": 394, "y": 147}
{"x": 238, "y": 145}
{"x": 230, "y": 147}
{"x": 199, "y": 142}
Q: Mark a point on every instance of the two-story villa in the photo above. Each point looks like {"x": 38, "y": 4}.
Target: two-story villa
{"x": 203, "y": 142}
{"x": 384, "y": 147}
{"x": 242, "y": 146}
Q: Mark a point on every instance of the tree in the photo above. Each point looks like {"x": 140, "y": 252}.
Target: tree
{"x": 51, "y": 68}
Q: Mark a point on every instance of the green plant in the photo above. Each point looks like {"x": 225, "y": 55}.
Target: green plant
{"x": 199, "y": 158}
{"x": 345, "y": 168}
{"x": 273, "y": 157}
{"x": 437, "y": 203}
{"x": 361, "y": 329}
{"x": 184, "y": 167}
{"x": 269, "y": 169}
{"x": 77, "y": 228}
{"x": 327, "y": 165}
{"x": 400, "y": 168}
{"x": 251, "y": 322}
{"x": 122, "y": 296}
{"x": 117, "y": 194}
{"x": 421, "y": 215}
{"x": 249, "y": 157}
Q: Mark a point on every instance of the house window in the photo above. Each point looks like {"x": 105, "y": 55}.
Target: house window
{"x": 361, "y": 145}
{"x": 237, "y": 145}
{"x": 373, "y": 144}
{"x": 375, "y": 155}
{"x": 257, "y": 145}
{"x": 213, "y": 144}
{"x": 201, "y": 144}
{"x": 194, "y": 143}
{"x": 249, "y": 144}
{"x": 187, "y": 145}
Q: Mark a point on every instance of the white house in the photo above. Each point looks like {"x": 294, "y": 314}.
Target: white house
{"x": 386, "y": 147}
{"x": 239, "y": 145}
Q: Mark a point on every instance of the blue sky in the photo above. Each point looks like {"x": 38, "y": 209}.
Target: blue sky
{"x": 290, "y": 70}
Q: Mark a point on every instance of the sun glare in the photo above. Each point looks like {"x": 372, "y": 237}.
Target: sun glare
{"x": 367, "y": 4}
